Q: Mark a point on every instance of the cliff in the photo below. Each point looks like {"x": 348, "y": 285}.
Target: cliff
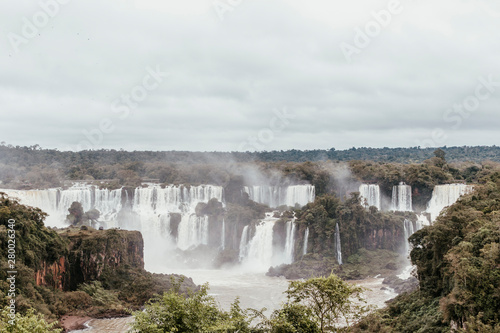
{"x": 96, "y": 254}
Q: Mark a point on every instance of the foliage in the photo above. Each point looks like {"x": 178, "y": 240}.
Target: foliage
{"x": 314, "y": 306}
{"x": 75, "y": 215}
{"x": 31, "y": 322}
{"x": 356, "y": 226}
{"x": 458, "y": 258}
{"x": 330, "y": 300}
{"x": 458, "y": 267}
{"x": 198, "y": 312}
{"x": 407, "y": 313}
{"x": 99, "y": 295}
{"x": 293, "y": 318}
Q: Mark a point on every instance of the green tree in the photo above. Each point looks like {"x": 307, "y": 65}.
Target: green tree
{"x": 330, "y": 300}
{"x": 31, "y": 322}
{"x": 197, "y": 312}
{"x": 293, "y": 318}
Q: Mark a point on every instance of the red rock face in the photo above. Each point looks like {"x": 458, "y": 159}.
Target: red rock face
{"x": 52, "y": 275}
{"x": 91, "y": 254}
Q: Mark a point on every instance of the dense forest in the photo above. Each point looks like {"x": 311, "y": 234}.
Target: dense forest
{"x": 36, "y": 167}
{"x": 457, "y": 258}
{"x": 458, "y": 267}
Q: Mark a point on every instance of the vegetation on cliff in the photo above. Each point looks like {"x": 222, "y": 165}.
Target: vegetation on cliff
{"x": 458, "y": 267}
{"x": 73, "y": 271}
{"x": 370, "y": 239}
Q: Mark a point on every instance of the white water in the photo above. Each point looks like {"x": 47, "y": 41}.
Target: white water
{"x": 444, "y": 196}
{"x": 192, "y": 231}
{"x": 55, "y": 202}
{"x": 401, "y": 198}
{"x": 260, "y": 248}
{"x": 409, "y": 230}
{"x": 290, "y": 242}
{"x": 275, "y": 196}
{"x": 256, "y": 290}
{"x": 306, "y": 240}
{"x": 422, "y": 220}
{"x": 244, "y": 243}
{"x": 338, "y": 245}
{"x": 223, "y": 235}
{"x": 152, "y": 206}
{"x": 370, "y": 193}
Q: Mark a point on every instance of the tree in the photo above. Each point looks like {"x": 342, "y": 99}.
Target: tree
{"x": 92, "y": 215}
{"x": 30, "y": 322}
{"x": 329, "y": 299}
{"x": 75, "y": 215}
{"x": 439, "y": 153}
{"x": 197, "y": 312}
{"x": 293, "y": 318}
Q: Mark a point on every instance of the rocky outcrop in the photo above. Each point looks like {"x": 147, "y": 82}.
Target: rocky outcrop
{"x": 53, "y": 275}
{"x": 91, "y": 255}
{"x": 96, "y": 254}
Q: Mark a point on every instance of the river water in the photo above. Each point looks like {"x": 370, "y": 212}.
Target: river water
{"x": 255, "y": 290}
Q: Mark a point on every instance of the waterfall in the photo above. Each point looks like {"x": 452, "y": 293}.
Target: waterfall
{"x": 290, "y": 242}
{"x": 223, "y": 235}
{"x": 338, "y": 246}
{"x": 444, "y": 196}
{"x": 401, "y": 198}
{"x": 260, "y": 247}
{"x": 148, "y": 209}
{"x": 408, "y": 231}
{"x": 370, "y": 193}
{"x": 244, "y": 243}
{"x": 192, "y": 231}
{"x": 56, "y": 202}
{"x": 275, "y": 196}
{"x": 422, "y": 221}
{"x": 306, "y": 240}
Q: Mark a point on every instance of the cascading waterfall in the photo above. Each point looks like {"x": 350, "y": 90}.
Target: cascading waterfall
{"x": 444, "y": 196}
{"x": 148, "y": 210}
{"x": 223, "y": 235}
{"x": 56, "y": 202}
{"x": 260, "y": 248}
{"x": 275, "y": 196}
{"x": 306, "y": 240}
{"x": 244, "y": 243}
{"x": 408, "y": 231}
{"x": 401, "y": 198}
{"x": 192, "y": 231}
{"x": 370, "y": 193}
{"x": 422, "y": 221}
{"x": 290, "y": 242}
{"x": 338, "y": 246}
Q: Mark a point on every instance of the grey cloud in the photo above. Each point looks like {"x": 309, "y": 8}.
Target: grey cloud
{"x": 227, "y": 77}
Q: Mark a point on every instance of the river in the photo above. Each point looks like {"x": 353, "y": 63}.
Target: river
{"x": 255, "y": 290}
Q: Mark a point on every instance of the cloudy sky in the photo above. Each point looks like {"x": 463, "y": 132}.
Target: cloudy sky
{"x": 232, "y": 75}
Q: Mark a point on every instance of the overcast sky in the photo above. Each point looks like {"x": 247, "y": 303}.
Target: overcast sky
{"x": 232, "y": 75}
